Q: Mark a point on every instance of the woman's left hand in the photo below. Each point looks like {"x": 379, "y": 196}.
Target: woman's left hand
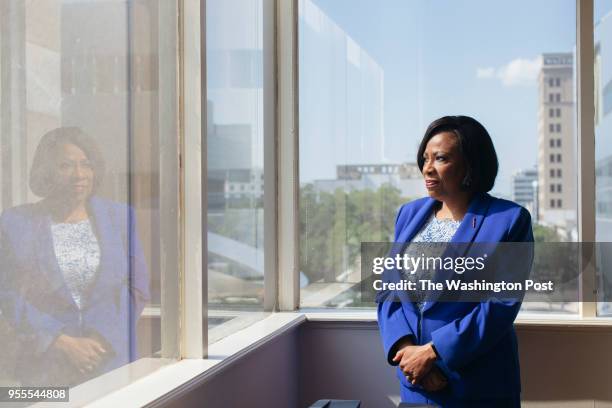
{"x": 415, "y": 361}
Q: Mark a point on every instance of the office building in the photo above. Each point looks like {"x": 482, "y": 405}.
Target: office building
{"x": 556, "y": 144}
{"x": 523, "y": 188}
{"x": 406, "y": 177}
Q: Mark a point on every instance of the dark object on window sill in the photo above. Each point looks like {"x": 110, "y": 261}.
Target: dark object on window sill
{"x": 336, "y": 404}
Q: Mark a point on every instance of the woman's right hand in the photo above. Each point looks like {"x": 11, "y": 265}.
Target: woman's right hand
{"x": 83, "y": 352}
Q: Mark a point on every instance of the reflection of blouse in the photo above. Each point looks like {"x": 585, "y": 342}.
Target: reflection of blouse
{"x": 78, "y": 255}
{"x": 434, "y": 231}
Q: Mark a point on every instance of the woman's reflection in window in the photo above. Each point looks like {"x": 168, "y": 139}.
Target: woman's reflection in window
{"x": 73, "y": 276}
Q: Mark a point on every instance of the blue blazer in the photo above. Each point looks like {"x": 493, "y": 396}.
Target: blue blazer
{"x": 476, "y": 341}
{"x": 37, "y": 303}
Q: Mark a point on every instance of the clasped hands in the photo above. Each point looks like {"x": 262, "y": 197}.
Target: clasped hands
{"x": 417, "y": 364}
{"x": 83, "y": 352}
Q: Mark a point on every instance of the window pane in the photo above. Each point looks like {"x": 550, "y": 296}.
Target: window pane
{"x": 603, "y": 150}
{"x": 372, "y": 79}
{"x": 235, "y": 138}
{"x": 87, "y": 130}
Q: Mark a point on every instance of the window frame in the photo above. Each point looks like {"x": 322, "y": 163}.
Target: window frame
{"x": 194, "y": 223}
{"x": 281, "y": 150}
{"x": 585, "y": 137}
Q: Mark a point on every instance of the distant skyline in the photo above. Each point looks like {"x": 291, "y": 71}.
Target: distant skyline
{"x": 478, "y": 58}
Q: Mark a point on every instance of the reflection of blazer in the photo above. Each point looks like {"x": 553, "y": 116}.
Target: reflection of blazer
{"x": 476, "y": 341}
{"x": 36, "y": 301}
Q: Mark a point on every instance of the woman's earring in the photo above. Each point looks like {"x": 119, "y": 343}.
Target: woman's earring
{"x": 467, "y": 182}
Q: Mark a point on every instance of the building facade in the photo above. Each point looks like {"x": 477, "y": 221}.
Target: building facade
{"x": 556, "y": 144}
{"x": 406, "y": 177}
{"x": 524, "y": 188}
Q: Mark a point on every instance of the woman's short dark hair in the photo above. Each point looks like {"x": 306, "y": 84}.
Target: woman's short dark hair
{"x": 45, "y": 158}
{"x": 475, "y": 145}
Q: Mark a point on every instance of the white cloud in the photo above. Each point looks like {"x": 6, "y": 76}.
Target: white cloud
{"x": 518, "y": 72}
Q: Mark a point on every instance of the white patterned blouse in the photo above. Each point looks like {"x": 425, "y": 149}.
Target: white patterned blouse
{"x": 78, "y": 256}
{"x": 435, "y": 231}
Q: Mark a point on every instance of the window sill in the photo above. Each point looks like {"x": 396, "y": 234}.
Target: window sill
{"x": 560, "y": 320}
{"x": 112, "y": 382}
{"x": 524, "y": 319}
{"x": 180, "y": 377}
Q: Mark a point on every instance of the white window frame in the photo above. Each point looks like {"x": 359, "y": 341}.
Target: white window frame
{"x": 192, "y": 80}
{"x": 194, "y": 269}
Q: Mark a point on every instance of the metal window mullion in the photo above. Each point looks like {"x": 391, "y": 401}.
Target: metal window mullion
{"x": 204, "y": 174}
{"x": 13, "y": 109}
{"x": 586, "y": 155}
{"x": 169, "y": 178}
{"x": 287, "y": 145}
{"x": 192, "y": 85}
{"x": 270, "y": 159}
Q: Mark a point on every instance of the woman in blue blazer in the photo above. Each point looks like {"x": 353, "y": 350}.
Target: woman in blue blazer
{"x": 456, "y": 354}
{"x": 73, "y": 280}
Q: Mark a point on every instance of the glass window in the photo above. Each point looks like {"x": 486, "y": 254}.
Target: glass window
{"x": 558, "y": 111}
{"x": 552, "y": 173}
{"x": 557, "y": 81}
{"x": 551, "y": 128}
{"x": 237, "y": 57}
{"x": 603, "y": 149}
{"x": 88, "y": 189}
{"x": 558, "y": 128}
{"x": 558, "y": 97}
{"x": 558, "y": 142}
{"x": 372, "y": 80}
{"x": 558, "y": 157}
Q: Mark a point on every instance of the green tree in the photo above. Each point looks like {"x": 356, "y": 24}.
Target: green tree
{"x": 543, "y": 233}
{"x": 333, "y": 225}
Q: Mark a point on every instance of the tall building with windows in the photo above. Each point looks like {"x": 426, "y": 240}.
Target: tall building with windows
{"x": 523, "y": 189}
{"x": 556, "y": 144}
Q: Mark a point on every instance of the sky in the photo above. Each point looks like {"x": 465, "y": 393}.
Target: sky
{"x": 449, "y": 57}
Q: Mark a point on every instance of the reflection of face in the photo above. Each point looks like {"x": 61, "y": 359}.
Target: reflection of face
{"x": 74, "y": 173}
{"x": 444, "y": 166}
